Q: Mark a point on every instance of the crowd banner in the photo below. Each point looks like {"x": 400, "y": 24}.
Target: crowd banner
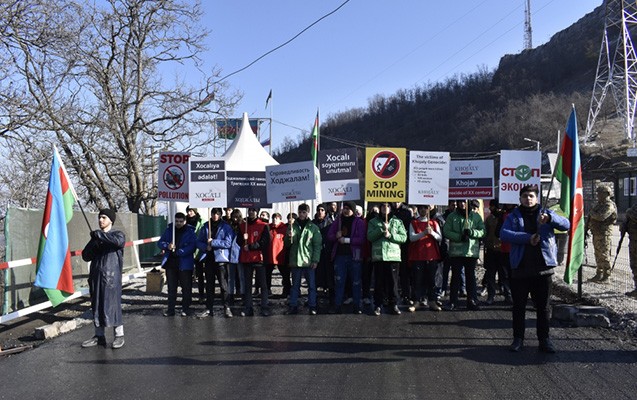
{"x": 518, "y": 168}
{"x": 428, "y": 177}
{"x": 247, "y": 189}
{"x": 291, "y": 182}
{"x": 385, "y": 175}
{"x": 172, "y": 183}
{"x": 338, "y": 169}
{"x": 208, "y": 186}
{"x": 471, "y": 179}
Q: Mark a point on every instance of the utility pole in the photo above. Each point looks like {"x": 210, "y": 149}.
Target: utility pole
{"x": 528, "y": 32}
{"x": 617, "y": 66}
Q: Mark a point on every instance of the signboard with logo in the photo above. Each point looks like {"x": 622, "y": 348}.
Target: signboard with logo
{"x": 471, "y": 179}
{"x": 247, "y": 189}
{"x": 428, "y": 177}
{"x": 385, "y": 175}
{"x": 172, "y": 183}
{"x": 207, "y": 183}
{"x": 518, "y": 168}
{"x": 339, "y": 174}
{"x": 290, "y": 182}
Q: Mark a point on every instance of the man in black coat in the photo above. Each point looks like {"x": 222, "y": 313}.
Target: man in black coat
{"x": 105, "y": 251}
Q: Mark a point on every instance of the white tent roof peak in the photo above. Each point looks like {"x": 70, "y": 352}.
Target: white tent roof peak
{"x": 246, "y": 153}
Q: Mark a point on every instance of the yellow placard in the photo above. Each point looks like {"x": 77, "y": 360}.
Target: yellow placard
{"x": 385, "y": 174}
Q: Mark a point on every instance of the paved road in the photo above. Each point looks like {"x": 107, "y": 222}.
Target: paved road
{"x": 413, "y": 356}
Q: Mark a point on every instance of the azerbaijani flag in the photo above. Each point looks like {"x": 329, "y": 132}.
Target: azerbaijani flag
{"x": 315, "y": 138}
{"x": 569, "y": 172}
{"x": 54, "y": 271}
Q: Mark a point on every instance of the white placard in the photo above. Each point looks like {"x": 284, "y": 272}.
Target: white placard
{"x": 471, "y": 179}
{"x": 518, "y": 168}
{"x": 291, "y": 182}
{"x": 208, "y": 187}
{"x": 172, "y": 183}
{"x": 428, "y": 177}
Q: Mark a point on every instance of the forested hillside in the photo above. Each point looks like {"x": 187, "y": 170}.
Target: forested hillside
{"x": 528, "y": 95}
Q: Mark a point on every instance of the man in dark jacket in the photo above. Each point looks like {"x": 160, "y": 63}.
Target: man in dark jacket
{"x": 179, "y": 263}
{"x": 105, "y": 251}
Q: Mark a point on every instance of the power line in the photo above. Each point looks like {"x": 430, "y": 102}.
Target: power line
{"x": 283, "y": 44}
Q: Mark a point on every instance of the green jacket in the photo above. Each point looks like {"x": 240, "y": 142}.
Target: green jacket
{"x": 386, "y": 249}
{"x": 453, "y": 229}
{"x": 305, "y": 246}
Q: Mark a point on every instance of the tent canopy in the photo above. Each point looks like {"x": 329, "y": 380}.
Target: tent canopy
{"x": 246, "y": 153}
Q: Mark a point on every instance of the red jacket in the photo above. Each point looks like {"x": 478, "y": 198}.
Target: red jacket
{"x": 276, "y": 255}
{"x": 426, "y": 248}
{"x": 257, "y": 244}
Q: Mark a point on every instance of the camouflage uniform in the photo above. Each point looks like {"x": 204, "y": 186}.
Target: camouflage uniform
{"x": 631, "y": 228}
{"x": 601, "y": 220}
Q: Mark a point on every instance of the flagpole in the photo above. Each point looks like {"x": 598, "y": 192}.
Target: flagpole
{"x": 77, "y": 200}
{"x": 271, "y": 107}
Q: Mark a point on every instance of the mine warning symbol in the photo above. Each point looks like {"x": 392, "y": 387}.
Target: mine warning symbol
{"x": 385, "y": 164}
{"x": 173, "y": 177}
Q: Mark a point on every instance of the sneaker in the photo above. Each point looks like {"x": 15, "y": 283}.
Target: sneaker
{"x": 348, "y": 300}
{"x": 204, "y": 314}
{"x": 118, "y": 342}
{"x": 357, "y": 310}
{"x": 411, "y": 308}
{"x": 168, "y": 313}
{"x": 292, "y": 310}
{"x": 451, "y": 307}
{"x": 94, "y": 341}
{"x": 632, "y": 293}
{"x": 423, "y": 303}
{"x": 312, "y": 311}
{"x": 605, "y": 279}
{"x": 596, "y": 278}
{"x": 228, "y": 312}
{"x": 247, "y": 313}
{"x": 265, "y": 312}
{"x": 186, "y": 313}
{"x": 435, "y": 307}
{"x": 395, "y": 310}
{"x": 546, "y": 346}
{"x": 377, "y": 311}
{"x": 517, "y": 345}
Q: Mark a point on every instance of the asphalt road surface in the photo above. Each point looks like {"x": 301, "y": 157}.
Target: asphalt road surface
{"x": 422, "y": 355}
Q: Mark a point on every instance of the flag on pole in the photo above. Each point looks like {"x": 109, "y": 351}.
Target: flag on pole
{"x": 315, "y": 138}
{"x": 54, "y": 272}
{"x": 568, "y": 171}
{"x": 268, "y": 99}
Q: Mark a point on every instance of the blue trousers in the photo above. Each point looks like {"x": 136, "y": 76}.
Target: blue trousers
{"x": 345, "y": 266}
{"x": 310, "y": 277}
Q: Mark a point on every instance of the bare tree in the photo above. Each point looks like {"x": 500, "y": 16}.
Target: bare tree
{"x": 91, "y": 77}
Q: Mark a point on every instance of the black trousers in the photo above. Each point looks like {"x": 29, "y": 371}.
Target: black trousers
{"x": 248, "y": 273}
{"x": 219, "y": 272}
{"x": 386, "y": 282}
{"x": 174, "y": 279}
{"x": 495, "y": 262}
{"x": 539, "y": 287}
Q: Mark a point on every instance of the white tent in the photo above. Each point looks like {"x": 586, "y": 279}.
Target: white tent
{"x": 246, "y": 153}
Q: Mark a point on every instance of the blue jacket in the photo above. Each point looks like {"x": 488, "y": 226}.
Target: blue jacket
{"x": 221, "y": 243}
{"x": 186, "y": 249}
{"x": 513, "y": 232}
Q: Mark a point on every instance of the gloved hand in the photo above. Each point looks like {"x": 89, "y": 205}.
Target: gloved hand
{"x": 465, "y": 235}
{"x": 94, "y": 234}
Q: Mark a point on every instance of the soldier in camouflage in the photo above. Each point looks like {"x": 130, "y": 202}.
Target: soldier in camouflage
{"x": 601, "y": 220}
{"x": 630, "y": 227}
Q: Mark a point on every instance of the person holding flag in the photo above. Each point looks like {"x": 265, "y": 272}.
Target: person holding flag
{"x": 530, "y": 231}
{"x": 105, "y": 251}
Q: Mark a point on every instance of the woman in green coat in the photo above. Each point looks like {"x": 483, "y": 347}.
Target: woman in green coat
{"x": 386, "y": 234}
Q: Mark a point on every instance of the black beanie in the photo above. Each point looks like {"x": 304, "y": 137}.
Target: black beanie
{"x": 350, "y": 204}
{"x": 112, "y": 215}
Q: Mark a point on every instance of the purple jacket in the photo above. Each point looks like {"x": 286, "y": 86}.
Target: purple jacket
{"x": 358, "y": 237}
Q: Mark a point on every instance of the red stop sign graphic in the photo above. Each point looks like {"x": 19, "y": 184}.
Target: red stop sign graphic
{"x": 385, "y": 164}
